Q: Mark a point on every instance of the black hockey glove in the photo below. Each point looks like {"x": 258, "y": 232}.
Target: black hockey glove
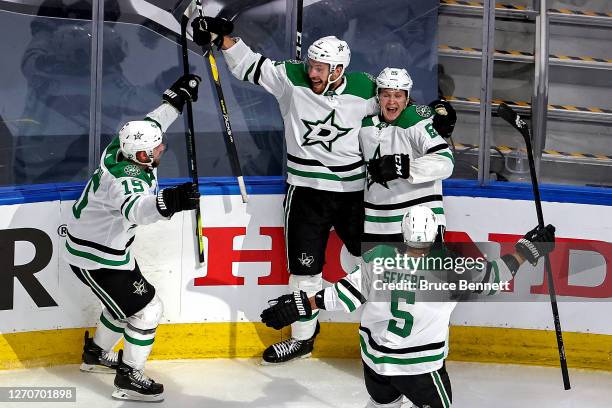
{"x": 389, "y": 167}
{"x": 444, "y": 118}
{"x": 536, "y": 243}
{"x": 286, "y": 309}
{"x": 180, "y": 198}
{"x": 184, "y": 89}
{"x": 208, "y": 30}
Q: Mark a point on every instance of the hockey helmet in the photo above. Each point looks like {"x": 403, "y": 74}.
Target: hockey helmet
{"x": 394, "y": 78}
{"x": 333, "y": 51}
{"x": 330, "y": 50}
{"x": 419, "y": 227}
{"x": 140, "y": 136}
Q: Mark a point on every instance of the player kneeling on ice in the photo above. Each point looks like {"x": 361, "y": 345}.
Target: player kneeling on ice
{"x": 122, "y": 194}
{"x": 404, "y": 342}
{"x": 406, "y": 158}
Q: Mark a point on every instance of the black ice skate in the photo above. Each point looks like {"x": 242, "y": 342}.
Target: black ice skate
{"x": 133, "y": 384}
{"x": 96, "y": 360}
{"x": 290, "y": 349}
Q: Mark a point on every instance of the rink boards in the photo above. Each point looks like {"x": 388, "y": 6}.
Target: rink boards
{"x": 211, "y": 311}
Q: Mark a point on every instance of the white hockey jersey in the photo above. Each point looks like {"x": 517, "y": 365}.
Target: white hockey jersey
{"x": 400, "y": 335}
{"x": 119, "y": 196}
{"x": 431, "y": 161}
{"x": 321, "y": 130}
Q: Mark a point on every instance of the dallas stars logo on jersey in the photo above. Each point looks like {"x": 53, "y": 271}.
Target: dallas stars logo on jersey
{"x": 323, "y": 132}
{"x": 369, "y": 179}
{"x": 306, "y": 260}
{"x": 131, "y": 170}
{"x": 423, "y": 110}
{"x": 140, "y": 287}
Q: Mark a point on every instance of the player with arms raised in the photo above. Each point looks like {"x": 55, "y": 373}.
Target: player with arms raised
{"x": 404, "y": 342}
{"x": 122, "y": 194}
{"x": 322, "y": 106}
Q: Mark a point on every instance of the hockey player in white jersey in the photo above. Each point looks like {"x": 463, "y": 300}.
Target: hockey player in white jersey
{"x": 406, "y": 159}
{"x": 322, "y": 106}
{"x": 404, "y": 341}
{"x": 122, "y": 194}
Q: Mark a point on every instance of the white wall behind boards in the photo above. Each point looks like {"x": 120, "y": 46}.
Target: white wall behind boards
{"x": 246, "y": 264}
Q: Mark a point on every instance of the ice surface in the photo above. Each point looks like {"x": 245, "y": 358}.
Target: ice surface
{"x": 318, "y": 383}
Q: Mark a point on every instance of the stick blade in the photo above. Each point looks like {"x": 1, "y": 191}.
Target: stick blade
{"x": 509, "y": 115}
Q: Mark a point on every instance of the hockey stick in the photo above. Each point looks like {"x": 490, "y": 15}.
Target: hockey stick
{"x": 191, "y": 148}
{"x": 298, "y": 29}
{"x": 510, "y": 116}
{"x": 229, "y": 136}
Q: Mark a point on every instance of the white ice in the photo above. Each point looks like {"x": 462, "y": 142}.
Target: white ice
{"x": 317, "y": 383}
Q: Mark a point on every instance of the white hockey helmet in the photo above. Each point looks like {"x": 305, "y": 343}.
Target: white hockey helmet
{"x": 419, "y": 227}
{"x": 333, "y": 51}
{"x": 140, "y": 136}
{"x": 394, "y": 78}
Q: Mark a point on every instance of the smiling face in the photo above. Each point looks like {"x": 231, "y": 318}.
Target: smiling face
{"x": 318, "y": 73}
{"x": 392, "y": 103}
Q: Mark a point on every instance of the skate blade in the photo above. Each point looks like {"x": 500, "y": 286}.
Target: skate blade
{"x": 269, "y": 363}
{"x": 122, "y": 394}
{"x": 96, "y": 368}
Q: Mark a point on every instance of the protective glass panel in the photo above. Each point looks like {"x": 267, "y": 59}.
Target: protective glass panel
{"x": 513, "y": 73}
{"x": 255, "y": 115}
{"x": 141, "y": 61}
{"x": 138, "y": 65}
{"x": 44, "y": 99}
{"x": 575, "y": 147}
{"x": 578, "y": 145}
{"x": 381, "y": 34}
{"x": 459, "y": 81}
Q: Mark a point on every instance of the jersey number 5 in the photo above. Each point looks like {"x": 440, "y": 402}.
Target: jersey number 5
{"x": 403, "y": 325}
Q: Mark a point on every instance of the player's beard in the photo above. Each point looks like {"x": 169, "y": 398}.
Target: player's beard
{"x": 318, "y": 89}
